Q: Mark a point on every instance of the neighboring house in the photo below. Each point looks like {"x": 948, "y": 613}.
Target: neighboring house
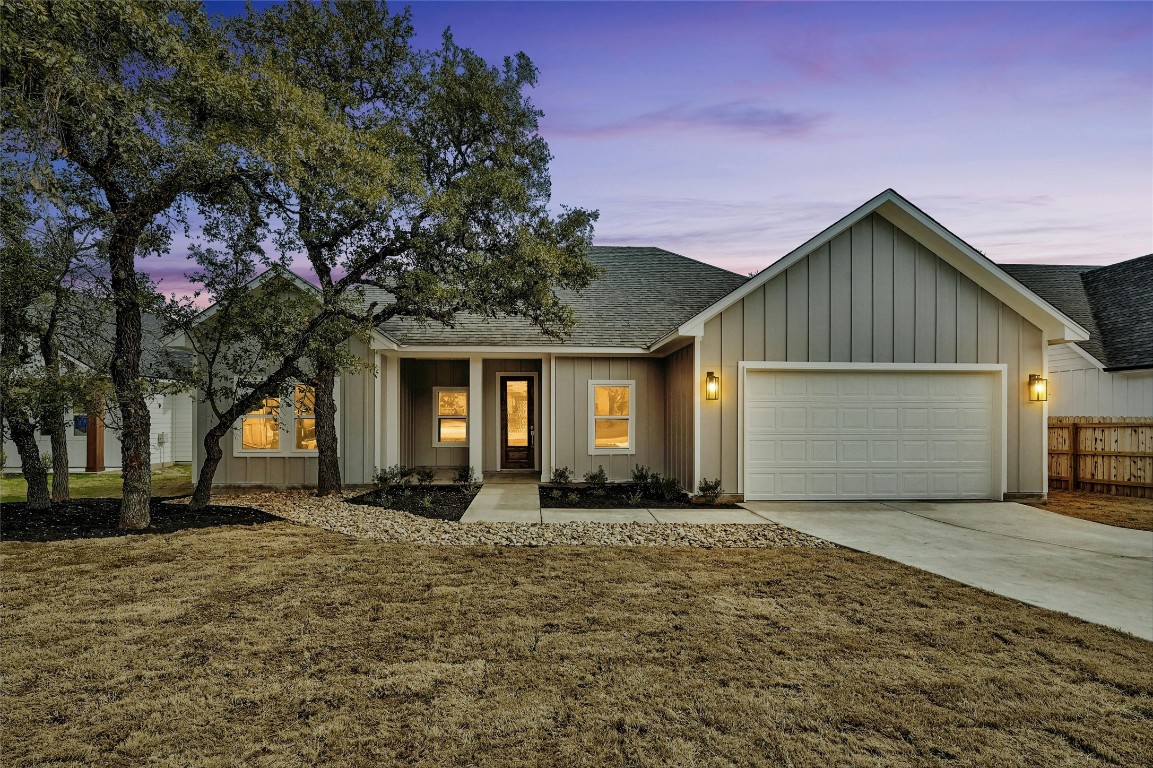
{"x": 884, "y": 358}
{"x": 1110, "y": 373}
{"x": 93, "y": 444}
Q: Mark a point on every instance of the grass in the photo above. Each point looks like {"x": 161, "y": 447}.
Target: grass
{"x": 280, "y": 645}
{"x": 1121, "y": 511}
{"x": 168, "y": 481}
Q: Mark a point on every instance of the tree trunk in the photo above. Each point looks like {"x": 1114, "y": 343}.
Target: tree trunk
{"x": 328, "y": 462}
{"x": 59, "y": 435}
{"x": 135, "y": 435}
{"x": 202, "y": 494}
{"x": 24, "y": 436}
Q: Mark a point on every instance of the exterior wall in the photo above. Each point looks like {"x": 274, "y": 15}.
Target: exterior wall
{"x": 417, "y": 379}
{"x": 491, "y": 416}
{"x": 183, "y": 438}
{"x": 873, "y": 294}
{"x": 356, "y": 425}
{"x": 679, "y": 420}
{"x": 1077, "y": 387}
{"x": 571, "y": 418}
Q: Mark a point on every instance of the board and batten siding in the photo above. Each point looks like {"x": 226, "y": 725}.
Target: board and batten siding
{"x": 1077, "y": 387}
{"x": 571, "y": 419}
{"x": 873, "y": 294}
{"x": 356, "y": 431}
{"x": 417, "y": 380}
{"x": 679, "y": 384}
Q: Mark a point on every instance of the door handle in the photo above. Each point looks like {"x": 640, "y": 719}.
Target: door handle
{"x": 531, "y": 436}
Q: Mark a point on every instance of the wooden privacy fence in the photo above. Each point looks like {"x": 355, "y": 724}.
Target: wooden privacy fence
{"x": 1103, "y": 455}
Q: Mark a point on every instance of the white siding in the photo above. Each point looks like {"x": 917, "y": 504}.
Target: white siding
{"x": 1077, "y": 387}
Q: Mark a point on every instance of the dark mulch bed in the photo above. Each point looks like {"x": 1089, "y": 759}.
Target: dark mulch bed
{"x": 613, "y": 496}
{"x": 99, "y": 518}
{"x": 436, "y": 502}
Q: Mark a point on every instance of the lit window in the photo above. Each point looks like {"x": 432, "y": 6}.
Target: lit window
{"x": 305, "y": 412}
{"x": 611, "y": 417}
{"x": 260, "y": 428}
{"x": 450, "y": 416}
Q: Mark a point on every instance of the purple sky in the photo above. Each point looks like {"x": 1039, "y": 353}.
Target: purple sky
{"x": 733, "y": 132}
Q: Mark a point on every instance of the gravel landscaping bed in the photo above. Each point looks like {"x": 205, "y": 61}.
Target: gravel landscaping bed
{"x": 336, "y": 514}
{"x": 436, "y": 502}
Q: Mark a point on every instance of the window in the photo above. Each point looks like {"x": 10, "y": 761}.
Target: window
{"x": 273, "y": 430}
{"x": 305, "y": 407}
{"x": 260, "y": 428}
{"x": 450, "y": 417}
{"x": 611, "y": 417}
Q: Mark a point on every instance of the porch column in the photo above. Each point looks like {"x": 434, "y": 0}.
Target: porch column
{"x": 390, "y": 411}
{"x": 476, "y": 414}
{"x": 545, "y": 410}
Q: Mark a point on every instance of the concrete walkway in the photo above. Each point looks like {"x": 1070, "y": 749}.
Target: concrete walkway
{"x": 1096, "y": 572}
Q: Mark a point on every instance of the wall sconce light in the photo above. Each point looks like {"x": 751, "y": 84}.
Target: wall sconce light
{"x": 1038, "y": 388}
{"x": 712, "y": 386}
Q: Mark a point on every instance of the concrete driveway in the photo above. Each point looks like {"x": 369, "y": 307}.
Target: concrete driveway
{"x": 1096, "y": 572}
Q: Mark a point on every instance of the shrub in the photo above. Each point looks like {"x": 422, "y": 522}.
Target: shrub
{"x": 425, "y": 475}
{"x": 636, "y": 498}
{"x": 709, "y": 490}
{"x": 573, "y": 498}
{"x": 556, "y": 493}
{"x": 397, "y": 474}
{"x": 46, "y": 462}
{"x": 641, "y": 474}
{"x": 466, "y": 479}
{"x": 597, "y": 479}
{"x": 667, "y": 488}
{"x": 561, "y": 476}
{"x": 426, "y": 502}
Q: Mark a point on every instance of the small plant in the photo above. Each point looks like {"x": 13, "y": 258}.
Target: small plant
{"x": 46, "y": 462}
{"x": 556, "y": 493}
{"x": 426, "y": 502}
{"x": 667, "y": 489}
{"x": 425, "y": 475}
{"x": 407, "y": 491}
{"x": 573, "y": 497}
{"x": 709, "y": 490}
{"x": 397, "y": 474}
{"x": 641, "y": 474}
{"x": 598, "y": 490}
{"x": 636, "y": 498}
{"x": 597, "y": 479}
{"x": 561, "y": 476}
{"x": 466, "y": 479}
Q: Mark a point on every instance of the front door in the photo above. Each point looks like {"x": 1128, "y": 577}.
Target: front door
{"x": 517, "y": 422}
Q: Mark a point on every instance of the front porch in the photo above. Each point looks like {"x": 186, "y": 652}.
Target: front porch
{"x": 490, "y": 413}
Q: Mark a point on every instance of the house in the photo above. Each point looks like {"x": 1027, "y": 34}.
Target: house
{"x": 93, "y": 438}
{"x": 883, "y": 358}
{"x": 1110, "y": 374}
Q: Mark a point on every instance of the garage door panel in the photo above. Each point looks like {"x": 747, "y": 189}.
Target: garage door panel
{"x": 869, "y": 434}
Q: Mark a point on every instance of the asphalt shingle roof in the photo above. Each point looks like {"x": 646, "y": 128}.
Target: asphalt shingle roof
{"x": 642, "y": 294}
{"x": 1114, "y": 303}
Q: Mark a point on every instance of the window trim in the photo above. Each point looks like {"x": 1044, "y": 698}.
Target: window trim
{"x": 436, "y": 417}
{"x": 287, "y": 427}
{"x": 631, "y": 418}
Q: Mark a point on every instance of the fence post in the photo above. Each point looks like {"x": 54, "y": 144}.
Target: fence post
{"x": 1073, "y": 456}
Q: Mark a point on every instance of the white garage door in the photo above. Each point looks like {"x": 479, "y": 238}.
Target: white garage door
{"x": 871, "y": 435}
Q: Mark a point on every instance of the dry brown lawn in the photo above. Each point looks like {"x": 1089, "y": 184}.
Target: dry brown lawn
{"x": 1123, "y": 511}
{"x": 279, "y": 645}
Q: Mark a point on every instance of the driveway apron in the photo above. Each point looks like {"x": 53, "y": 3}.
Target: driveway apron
{"x": 1096, "y": 572}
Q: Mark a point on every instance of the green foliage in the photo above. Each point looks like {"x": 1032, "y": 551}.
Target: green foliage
{"x": 425, "y": 475}
{"x": 573, "y": 498}
{"x": 561, "y": 476}
{"x": 636, "y": 498}
{"x": 556, "y": 493}
{"x": 392, "y": 476}
{"x": 46, "y": 462}
{"x": 641, "y": 474}
{"x": 597, "y": 479}
{"x": 709, "y": 490}
{"x": 426, "y": 502}
{"x": 466, "y": 480}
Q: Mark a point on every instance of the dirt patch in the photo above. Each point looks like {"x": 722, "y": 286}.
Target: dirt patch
{"x": 100, "y": 518}
{"x": 283, "y": 645}
{"x": 614, "y": 496}
{"x": 1121, "y": 511}
{"x": 435, "y": 502}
